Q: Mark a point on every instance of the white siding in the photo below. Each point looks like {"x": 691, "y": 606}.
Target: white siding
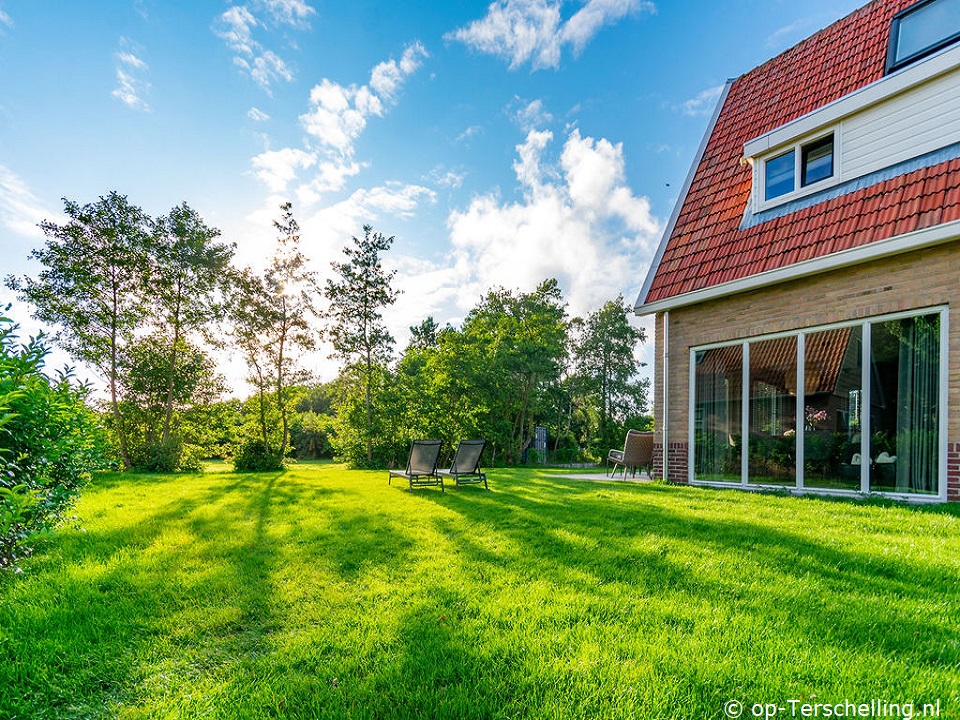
{"x": 923, "y": 119}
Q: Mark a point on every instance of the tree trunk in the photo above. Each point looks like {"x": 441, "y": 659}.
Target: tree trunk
{"x": 369, "y": 406}
{"x": 114, "y": 403}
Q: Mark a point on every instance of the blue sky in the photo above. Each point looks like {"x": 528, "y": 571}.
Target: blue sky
{"x": 500, "y": 143}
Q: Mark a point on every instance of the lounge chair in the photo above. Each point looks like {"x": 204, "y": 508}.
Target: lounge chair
{"x": 421, "y": 470}
{"x": 637, "y": 453}
{"x": 465, "y": 468}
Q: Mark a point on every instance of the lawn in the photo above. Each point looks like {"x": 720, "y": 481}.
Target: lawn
{"x": 325, "y": 593}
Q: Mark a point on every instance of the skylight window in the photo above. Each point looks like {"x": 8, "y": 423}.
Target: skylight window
{"x": 922, "y": 29}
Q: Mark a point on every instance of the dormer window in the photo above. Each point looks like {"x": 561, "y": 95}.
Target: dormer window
{"x": 803, "y": 165}
{"x": 922, "y": 29}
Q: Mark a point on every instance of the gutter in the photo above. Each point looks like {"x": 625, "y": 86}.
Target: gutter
{"x": 877, "y": 250}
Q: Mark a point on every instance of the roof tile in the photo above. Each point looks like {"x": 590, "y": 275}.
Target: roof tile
{"x": 707, "y": 246}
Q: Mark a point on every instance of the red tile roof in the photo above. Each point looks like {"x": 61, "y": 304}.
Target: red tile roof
{"x": 707, "y": 246}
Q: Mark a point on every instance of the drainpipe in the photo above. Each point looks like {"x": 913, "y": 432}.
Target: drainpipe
{"x": 665, "y": 374}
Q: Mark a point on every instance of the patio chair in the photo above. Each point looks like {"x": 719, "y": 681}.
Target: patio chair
{"x": 421, "y": 470}
{"x": 465, "y": 468}
{"x": 637, "y": 453}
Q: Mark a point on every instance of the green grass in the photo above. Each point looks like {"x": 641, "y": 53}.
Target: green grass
{"x": 326, "y": 593}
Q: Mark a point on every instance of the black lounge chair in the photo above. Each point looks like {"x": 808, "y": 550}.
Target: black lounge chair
{"x": 465, "y": 468}
{"x": 421, "y": 468}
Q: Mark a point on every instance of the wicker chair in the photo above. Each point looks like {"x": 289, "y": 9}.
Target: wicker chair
{"x": 637, "y": 453}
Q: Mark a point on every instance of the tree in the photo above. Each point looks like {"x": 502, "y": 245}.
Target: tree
{"x": 515, "y": 344}
{"x": 270, "y": 316}
{"x": 189, "y": 268}
{"x": 149, "y": 395}
{"x": 96, "y": 269}
{"x": 605, "y": 369}
{"x": 356, "y": 330}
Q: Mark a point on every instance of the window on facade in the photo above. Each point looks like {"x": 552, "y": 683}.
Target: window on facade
{"x": 773, "y": 412}
{"x": 904, "y": 399}
{"x": 831, "y": 408}
{"x": 816, "y": 161}
{"x": 779, "y": 175}
{"x": 922, "y": 29}
{"x": 882, "y": 437}
{"x": 783, "y": 175}
{"x": 717, "y": 414}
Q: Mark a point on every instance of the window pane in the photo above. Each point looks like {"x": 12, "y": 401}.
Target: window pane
{"x": 817, "y": 160}
{"x": 904, "y": 405}
{"x": 779, "y": 175}
{"x": 717, "y": 401}
{"x": 926, "y": 28}
{"x": 773, "y": 412}
{"x": 831, "y": 414}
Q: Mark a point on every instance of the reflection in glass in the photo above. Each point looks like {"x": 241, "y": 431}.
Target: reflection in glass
{"x": 773, "y": 412}
{"x": 904, "y": 405}
{"x": 831, "y": 415}
{"x": 717, "y": 409}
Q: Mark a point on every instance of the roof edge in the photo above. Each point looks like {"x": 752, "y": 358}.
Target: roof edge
{"x": 681, "y": 199}
{"x": 879, "y": 249}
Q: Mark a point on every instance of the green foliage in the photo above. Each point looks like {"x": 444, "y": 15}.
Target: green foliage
{"x": 605, "y": 374}
{"x": 49, "y": 444}
{"x": 94, "y": 284}
{"x": 359, "y": 337}
{"x": 150, "y": 399}
{"x": 257, "y": 456}
{"x": 270, "y": 315}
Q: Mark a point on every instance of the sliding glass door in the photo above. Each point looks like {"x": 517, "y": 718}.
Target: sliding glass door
{"x": 849, "y": 408}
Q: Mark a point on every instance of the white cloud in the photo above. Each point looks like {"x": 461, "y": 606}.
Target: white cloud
{"x": 530, "y": 115}
{"x": 5, "y": 19}
{"x": 20, "y": 210}
{"x": 257, "y": 115}
{"x": 132, "y": 86}
{"x": 278, "y": 167}
{"x": 337, "y": 116}
{"x": 533, "y": 31}
{"x": 578, "y": 222}
{"x": 703, "y": 103}
{"x": 236, "y": 27}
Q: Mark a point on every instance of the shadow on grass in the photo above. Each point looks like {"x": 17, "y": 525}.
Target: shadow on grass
{"x": 589, "y": 537}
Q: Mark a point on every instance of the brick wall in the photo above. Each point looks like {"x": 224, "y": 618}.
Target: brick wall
{"x": 911, "y": 281}
{"x": 953, "y": 472}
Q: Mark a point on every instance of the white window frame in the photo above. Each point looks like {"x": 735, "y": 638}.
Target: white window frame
{"x": 799, "y": 191}
{"x": 866, "y": 325}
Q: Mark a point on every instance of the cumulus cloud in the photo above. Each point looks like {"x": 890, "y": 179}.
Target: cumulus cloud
{"x": 337, "y": 116}
{"x": 236, "y": 27}
{"x": 578, "y": 222}
{"x": 703, "y": 103}
{"x": 278, "y": 167}
{"x": 534, "y": 31}
{"x": 132, "y": 85}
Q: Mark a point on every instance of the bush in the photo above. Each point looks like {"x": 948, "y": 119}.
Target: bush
{"x": 166, "y": 457}
{"x": 257, "y": 456}
{"x": 50, "y": 442}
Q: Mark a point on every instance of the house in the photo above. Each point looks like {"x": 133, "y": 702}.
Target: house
{"x": 804, "y": 285}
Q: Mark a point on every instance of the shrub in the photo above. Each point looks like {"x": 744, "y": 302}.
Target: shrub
{"x": 50, "y": 442}
{"x": 256, "y": 456}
